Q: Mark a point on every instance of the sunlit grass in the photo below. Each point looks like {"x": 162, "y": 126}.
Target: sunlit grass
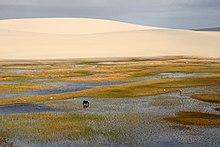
{"x": 117, "y": 71}
{"x": 24, "y": 87}
{"x": 195, "y": 118}
{"x": 134, "y": 89}
{"x": 57, "y": 126}
{"x": 186, "y": 82}
{"x": 126, "y": 90}
{"x": 10, "y": 77}
{"x": 3, "y": 137}
{"x": 48, "y": 126}
{"x": 212, "y": 98}
{"x": 48, "y": 74}
{"x": 106, "y": 77}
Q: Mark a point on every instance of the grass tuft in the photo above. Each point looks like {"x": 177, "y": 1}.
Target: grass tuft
{"x": 211, "y": 98}
{"x": 195, "y": 118}
{"x": 47, "y": 126}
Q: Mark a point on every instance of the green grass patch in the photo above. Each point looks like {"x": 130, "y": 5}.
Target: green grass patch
{"x": 47, "y": 126}
{"x": 126, "y": 91}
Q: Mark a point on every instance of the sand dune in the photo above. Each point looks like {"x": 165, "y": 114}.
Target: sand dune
{"x": 77, "y": 38}
{"x": 69, "y": 26}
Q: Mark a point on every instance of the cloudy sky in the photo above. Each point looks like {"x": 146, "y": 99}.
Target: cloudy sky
{"x": 163, "y": 13}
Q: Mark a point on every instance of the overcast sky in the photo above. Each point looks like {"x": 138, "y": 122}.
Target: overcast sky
{"x": 163, "y": 13}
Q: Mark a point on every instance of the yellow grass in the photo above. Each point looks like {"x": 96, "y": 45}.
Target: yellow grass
{"x": 24, "y": 87}
{"x": 186, "y": 82}
{"x": 165, "y": 102}
{"x": 212, "y": 98}
{"x": 129, "y": 68}
{"x": 196, "y": 118}
{"x": 47, "y": 126}
{"x": 135, "y": 89}
{"x": 107, "y": 77}
{"x": 9, "y": 77}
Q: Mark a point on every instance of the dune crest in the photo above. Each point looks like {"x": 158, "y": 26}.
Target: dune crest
{"x": 68, "y": 25}
{"x": 25, "y": 39}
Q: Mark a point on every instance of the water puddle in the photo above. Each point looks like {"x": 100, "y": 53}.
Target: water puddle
{"x": 169, "y": 75}
{"x": 63, "y": 87}
{"x": 25, "y": 108}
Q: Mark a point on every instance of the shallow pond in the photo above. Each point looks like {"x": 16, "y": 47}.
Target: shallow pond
{"x": 62, "y": 88}
{"x": 25, "y": 108}
{"x": 169, "y": 75}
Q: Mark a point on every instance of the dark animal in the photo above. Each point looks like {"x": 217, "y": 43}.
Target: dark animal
{"x": 85, "y": 104}
{"x": 180, "y": 93}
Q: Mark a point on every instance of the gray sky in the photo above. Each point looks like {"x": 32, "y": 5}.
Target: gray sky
{"x": 163, "y": 13}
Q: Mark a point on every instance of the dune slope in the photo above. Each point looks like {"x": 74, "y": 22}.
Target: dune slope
{"x": 23, "y": 39}
{"x": 68, "y": 25}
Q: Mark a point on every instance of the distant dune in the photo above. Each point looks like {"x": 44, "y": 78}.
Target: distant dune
{"x": 208, "y": 29}
{"x": 58, "y": 38}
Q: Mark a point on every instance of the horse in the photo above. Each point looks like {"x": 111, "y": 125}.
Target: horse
{"x": 85, "y": 104}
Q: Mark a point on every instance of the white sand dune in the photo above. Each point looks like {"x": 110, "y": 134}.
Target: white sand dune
{"x": 91, "y": 38}
{"x": 68, "y": 26}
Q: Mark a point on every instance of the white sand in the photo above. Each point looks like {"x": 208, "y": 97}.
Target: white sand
{"x": 87, "y": 38}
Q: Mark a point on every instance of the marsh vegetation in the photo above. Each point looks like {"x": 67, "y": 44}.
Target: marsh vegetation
{"x": 131, "y": 101}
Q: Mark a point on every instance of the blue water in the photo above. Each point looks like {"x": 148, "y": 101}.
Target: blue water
{"x": 63, "y": 87}
{"x": 78, "y": 86}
